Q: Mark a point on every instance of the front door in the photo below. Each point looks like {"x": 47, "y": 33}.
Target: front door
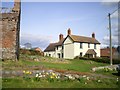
{"x": 58, "y": 55}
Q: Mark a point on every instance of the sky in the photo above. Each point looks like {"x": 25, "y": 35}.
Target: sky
{"x": 42, "y": 22}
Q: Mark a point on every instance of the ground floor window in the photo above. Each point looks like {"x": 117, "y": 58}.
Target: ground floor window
{"x": 62, "y": 55}
{"x": 80, "y": 54}
{"x": 49, "y": 55}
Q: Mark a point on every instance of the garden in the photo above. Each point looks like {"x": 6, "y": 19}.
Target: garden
{"x": 45, "y": 72}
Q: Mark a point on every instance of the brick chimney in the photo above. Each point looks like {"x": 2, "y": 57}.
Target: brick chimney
{"x": 60, "y": 37}
{"x": 69, "y": 31}
{"x": 17, "y": 6}
{"x": 93, "y": 35}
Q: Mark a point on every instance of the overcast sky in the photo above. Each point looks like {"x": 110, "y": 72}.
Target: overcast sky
{"x": 42, "y": 22}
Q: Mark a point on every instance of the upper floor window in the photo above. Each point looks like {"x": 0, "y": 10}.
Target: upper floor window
{"x": 62, "y": 47}
{"x": 57, "y": 47}
{"x": 94, "y": 46}
{"x": 88, "y": 45}
{"x": 81, "y": 45}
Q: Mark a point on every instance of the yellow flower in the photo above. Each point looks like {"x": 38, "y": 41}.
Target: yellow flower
{"x": 30, "y": 72}
{"x": 47, "y": 73}
{"x": 24, "y": 71}
{"x": 27, "y": 72}
{"x": 53, "y": 74}
{"x": 51, "y": 77}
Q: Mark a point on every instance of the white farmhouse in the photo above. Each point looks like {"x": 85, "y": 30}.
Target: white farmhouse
{"x": 73, "y": 46}
{"x": 55, "y": 49}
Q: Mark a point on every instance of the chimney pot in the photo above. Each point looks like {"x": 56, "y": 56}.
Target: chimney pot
{"x": 93, "y": 35}
{"x": 60, "y": 37}
{"x": 69, "y": 31}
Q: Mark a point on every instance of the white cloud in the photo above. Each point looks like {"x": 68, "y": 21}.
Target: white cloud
{"x": 109, "y": 3}
{"x": 36, "y": 40}
{"x": 115, "y": 15}
{"x": 107, "y": 42}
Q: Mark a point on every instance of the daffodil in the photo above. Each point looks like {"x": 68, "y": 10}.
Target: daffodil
{"x": 24, "y": 71}
{"x": 51, "y": 77}
{"x": 99, "y": 81}
{"x": 117, "y": 79}
{"x": 30, "y": 72}
{"x": 37, "y": 75}
{"x": 47, "y": 73}
{"x": 27, "y": 72}
{"x": 88, "y": 78}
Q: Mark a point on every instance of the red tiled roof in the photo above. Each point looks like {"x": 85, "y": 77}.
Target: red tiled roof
{"x": 105, "y": 52}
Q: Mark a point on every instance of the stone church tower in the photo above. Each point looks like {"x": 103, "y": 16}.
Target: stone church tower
{"x": 9, "y": 31}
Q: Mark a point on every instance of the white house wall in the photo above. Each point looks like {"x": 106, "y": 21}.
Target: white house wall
{"x": 58, "y": 51}
{"x": 52, "y": 53}
{"x": 68, "y": 49}
{"x": 84, "y": 49}
{"x": 77, "y": 49}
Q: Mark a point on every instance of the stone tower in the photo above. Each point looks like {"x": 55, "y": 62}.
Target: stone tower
{"x": 9, "y": 31}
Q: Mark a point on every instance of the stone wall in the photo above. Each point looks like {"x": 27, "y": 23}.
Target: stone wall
{"x": 10, "y": 25}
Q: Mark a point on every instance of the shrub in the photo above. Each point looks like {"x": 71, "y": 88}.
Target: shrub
{"x": 30, "y": 52}
{"x": 99, "y": 59}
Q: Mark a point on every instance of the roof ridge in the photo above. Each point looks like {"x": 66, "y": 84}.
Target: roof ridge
{"x": 81, "y": 36}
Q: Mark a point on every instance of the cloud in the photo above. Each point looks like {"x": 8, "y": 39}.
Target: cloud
{"x": 106, "y": 41}
{"x": 109, "y": 2}
{"x": 114, "y": 26}
{"x": 36, "y": 40}
{"x": 115, "y": 15}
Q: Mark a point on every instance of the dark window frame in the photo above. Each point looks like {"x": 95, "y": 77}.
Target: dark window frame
{"x": 81, "y": 45}
{"x": 81, "y": 54}
{"x": 94, "y": 46}
{"x": 88, "y": 45}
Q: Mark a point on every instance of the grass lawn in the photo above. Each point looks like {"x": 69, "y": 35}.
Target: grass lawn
{"x": 31, "y": 83}
{"x": 75, "y": 65}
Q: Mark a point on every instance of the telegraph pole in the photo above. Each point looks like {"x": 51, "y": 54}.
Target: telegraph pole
{"x": 110, "y": 39}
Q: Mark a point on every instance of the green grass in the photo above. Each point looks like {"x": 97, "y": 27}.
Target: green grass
{"x": 31, "y": 83}
{"x": 74, "y": 65}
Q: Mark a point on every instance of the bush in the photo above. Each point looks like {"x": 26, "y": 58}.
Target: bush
{"x": 99, "y": 59}
{"x": 30, "y": 52}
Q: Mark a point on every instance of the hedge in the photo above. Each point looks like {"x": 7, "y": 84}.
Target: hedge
{"x": 100, "y": 59}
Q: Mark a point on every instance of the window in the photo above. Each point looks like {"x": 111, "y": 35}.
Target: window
{"x": 58, "y": 55}
{"x": 94, "y": 46}
{"x": 88, "y": 45}
{"x": 80, "y": 54}
{"x": 62, "y": 47}
{"x": 81, "y": 45}
{"x": 62, "y": 55}
{"x": 57, "y": 47}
